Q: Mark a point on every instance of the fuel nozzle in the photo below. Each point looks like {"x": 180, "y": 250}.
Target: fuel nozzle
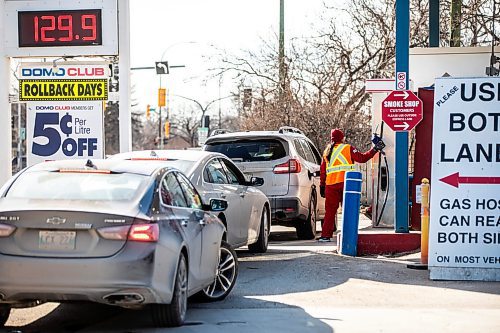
{"x": 376, "y": 139}
{"x": 378, "y": 142}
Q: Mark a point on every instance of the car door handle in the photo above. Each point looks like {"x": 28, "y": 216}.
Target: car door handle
{"x": 184, "y": 223}
{"x": 223, "y": 196}
{"x": 202, "y": 222}
{"x": 242, "y": 194}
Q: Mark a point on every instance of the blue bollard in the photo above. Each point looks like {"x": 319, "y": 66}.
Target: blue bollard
{"x": 350, "y": 213}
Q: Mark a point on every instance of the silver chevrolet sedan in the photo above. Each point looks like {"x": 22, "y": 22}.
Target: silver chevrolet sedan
{"x": 116, "y": 232}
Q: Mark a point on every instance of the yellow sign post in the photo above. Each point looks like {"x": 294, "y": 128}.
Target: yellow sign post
{"x": 424, "y": 240}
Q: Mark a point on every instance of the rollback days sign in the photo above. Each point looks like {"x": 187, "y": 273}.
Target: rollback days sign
{"x": 464, "y": 232}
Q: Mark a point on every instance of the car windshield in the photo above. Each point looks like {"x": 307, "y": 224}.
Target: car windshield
{"x": 249, "y": 150}
{"x": 77, "y": 186}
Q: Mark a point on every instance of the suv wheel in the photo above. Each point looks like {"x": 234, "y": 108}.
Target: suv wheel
{"x": 307, "y": 229}
{"x": 4, "y": 314}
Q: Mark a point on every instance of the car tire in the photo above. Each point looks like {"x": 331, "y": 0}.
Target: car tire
{"x": 174, "y": 314}
{"x": 4, "y": 314}
{"x": 263, "y": 241}
{"x": 307, "y": 229}
{"x": 227, "y": 272}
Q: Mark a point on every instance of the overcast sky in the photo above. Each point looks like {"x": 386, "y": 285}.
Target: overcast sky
{"x": 184, "y": 32}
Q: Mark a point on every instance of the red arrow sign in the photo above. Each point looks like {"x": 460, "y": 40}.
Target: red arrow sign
{"x": 402, "y": 110}
{"x": 455, "y": 180}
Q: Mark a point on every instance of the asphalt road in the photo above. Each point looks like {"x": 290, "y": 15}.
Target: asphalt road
{"x": 303, "y": 286}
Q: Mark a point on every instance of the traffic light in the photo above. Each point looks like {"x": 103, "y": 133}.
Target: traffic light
{"x": 161, "y": 96}
{"x": 148, "y": 111}
{"x": 205, "y": 122}
{"x": 247, "y": 98}
{"x": 167, "y": 129}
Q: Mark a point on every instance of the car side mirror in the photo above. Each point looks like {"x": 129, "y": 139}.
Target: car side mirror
{"x": 216, "y": 205}
{"x": 256, "y": 181}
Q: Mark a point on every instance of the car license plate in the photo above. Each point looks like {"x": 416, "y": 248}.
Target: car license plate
{"x": 56, "y": 240}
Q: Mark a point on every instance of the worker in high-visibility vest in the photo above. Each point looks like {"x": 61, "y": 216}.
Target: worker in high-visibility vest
{"x": 338, "y": 158}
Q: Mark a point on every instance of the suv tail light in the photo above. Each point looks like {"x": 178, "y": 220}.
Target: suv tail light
{"x": 6, "y": 230}
{"x": 291, "y": 166}
{"x": 143, "y": 232}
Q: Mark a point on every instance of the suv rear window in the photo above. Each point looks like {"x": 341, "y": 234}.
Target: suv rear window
{"x": 249, "y": 150}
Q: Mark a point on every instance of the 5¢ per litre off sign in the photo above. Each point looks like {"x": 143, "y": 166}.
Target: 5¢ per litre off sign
{"x": 402, "y": 110}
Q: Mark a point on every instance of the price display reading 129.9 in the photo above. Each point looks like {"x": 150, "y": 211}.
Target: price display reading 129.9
{"x": 60, "y": 28}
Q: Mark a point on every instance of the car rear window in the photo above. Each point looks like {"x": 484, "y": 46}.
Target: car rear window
{"x": 249, "y": 150}
{"x": 77, "y": 186}
{"x": 181, "y": 165}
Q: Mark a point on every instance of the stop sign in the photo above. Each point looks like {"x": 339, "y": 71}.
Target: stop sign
{"x": 402, "y": 110}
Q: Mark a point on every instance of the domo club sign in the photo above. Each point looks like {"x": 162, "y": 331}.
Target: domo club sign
{"x": 65, "y": 109}
{"x": 65, "y": 82}
{"x": 464, "y": 231}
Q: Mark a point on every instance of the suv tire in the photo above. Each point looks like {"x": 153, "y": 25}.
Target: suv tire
{"x": 4, "y": 314}
{"x": 307, "y": 229}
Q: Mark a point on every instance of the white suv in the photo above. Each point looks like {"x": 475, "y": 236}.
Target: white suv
{"x": 289, "y": 163}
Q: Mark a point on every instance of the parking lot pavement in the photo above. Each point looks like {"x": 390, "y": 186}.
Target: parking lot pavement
{"x": 305, "y": 286}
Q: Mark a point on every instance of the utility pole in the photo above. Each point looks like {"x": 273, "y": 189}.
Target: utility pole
{"x": 220, "y": 110}
{"x": 434, "y": 23}
{"x": 281, "y": 56}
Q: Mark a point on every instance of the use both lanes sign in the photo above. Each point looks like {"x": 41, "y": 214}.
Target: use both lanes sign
{"x": 402, "y": 110}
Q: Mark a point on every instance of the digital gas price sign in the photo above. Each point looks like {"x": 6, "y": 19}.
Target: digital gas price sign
{"x": 55, "y": 28}
{"x": 60, "y": 28}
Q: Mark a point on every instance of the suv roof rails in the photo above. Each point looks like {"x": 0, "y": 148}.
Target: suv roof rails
{"x": 289, "y": 129}
{"x": 220, "y": 131}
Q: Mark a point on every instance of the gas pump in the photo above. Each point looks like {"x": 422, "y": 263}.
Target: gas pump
{"x": 382, "y": 179}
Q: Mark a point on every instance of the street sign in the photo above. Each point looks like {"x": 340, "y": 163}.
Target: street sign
{"x": 401, "y": 80}
{"x": 402, "y": 110}
{"x": 161, "y": 67}
{"x": 464, "y": 234}
{"x": 202, "y": 135}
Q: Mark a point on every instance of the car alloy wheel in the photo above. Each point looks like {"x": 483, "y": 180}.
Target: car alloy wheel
{"x": 227, "y": 271}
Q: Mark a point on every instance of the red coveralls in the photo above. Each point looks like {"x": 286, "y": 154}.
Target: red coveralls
{"x": 334, "y": 192}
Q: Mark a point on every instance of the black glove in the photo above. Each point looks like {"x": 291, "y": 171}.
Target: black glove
{"x": 379, "y": 146}
{"x": 322, "y": 191}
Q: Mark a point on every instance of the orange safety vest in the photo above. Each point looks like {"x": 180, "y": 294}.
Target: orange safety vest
{"x": 339, "y": 163}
